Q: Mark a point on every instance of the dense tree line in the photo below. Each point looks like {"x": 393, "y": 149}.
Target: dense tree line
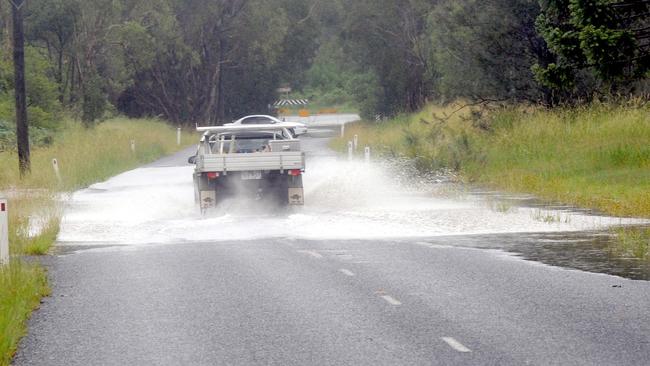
{"x": 186, "y": 61}
{"x": 541, "y": 51}
{"x": 205, "y": 61}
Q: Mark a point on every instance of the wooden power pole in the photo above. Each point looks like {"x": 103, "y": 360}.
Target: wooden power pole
{"x": 22, "y": 131}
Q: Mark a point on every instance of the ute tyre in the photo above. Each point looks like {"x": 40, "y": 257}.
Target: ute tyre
{"x": 282, "y": 192}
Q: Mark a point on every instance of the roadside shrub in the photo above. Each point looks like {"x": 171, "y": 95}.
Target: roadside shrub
{"x": 94, "y": 101}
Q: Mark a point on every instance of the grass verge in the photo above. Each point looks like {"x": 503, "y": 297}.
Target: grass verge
{"x": 84, "y": 156}
{"x": 631, "y": 242}
{"x": 596, "y": 157}
{"x": 22, "y": 286}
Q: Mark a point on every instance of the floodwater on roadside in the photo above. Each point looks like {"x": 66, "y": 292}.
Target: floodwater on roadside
{"x": 345, "y": 200}
{"x": 592, "y": 251}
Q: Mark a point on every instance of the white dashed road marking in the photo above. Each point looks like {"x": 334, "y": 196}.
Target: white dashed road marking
{"x": 312, "y": 253}
{"x": 391, "y": 300}
{"x": 456, "y": 345}
{"x": 346, "y": 272}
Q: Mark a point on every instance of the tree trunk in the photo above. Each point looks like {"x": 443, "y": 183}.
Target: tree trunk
{"x": 221, "y": 101}
{"x": 22, "y": 131}
{"x": 73, "y": 71}
{"x": 59, "y": 75}
{"x": 209, "y": 115}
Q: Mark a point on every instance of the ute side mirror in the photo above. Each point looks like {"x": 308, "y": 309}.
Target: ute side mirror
{"x": 192, "y": 159}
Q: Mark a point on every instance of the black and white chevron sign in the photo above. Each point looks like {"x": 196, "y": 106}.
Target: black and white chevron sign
{"x": 290, "y": 102}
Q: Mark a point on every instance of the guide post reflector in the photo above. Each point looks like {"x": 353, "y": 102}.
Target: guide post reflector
{"x": 4, "y": 231}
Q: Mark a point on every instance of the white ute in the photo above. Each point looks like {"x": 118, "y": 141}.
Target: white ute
{"x": 261, "y": 160}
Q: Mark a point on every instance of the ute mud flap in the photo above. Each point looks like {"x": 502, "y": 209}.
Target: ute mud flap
{"x": 296, "y": 196}
{"x": 208, "y": 200}
{"x": 296, "y": 192}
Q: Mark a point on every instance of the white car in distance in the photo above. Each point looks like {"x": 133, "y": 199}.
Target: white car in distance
{"x": 262, "y": 119}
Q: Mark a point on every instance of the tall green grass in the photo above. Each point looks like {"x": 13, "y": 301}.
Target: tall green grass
{"x": 596, "y": 157}
{"x": 85, "y": 156}
{"x": 631, "y": 242}
{"x": 22, "y": 286}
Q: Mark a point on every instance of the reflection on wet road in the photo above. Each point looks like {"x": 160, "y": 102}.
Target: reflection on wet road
{"x": 585, "y": 250}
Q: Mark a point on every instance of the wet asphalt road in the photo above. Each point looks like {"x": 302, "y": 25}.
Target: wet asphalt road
{"x": 336, "y": 302}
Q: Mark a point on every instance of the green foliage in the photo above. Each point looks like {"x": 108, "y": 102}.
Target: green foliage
{"x": 603, "y": 36}
{"x": 554, "y": 76}
{"x": 412, "y": 51}
{"x": 94, "y": 100}
{"x": 21, "y": 287}
{"x": 43, "y": 108}
{"x": 550, "y": 51}
{"x": 328, "y": 77}
{"x": 333, "y": 81}
{"x": 390, "y": 40}
{"x": 631, "y": 242}
{"x": 207, "y": 61}
{"x": 197, "y": 61}
{"x": 367, "y": 92}
{"x": 300, "y": 42}
{"x": 477, "y": 56}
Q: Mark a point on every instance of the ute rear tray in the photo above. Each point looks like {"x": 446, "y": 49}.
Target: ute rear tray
{"x": 285, "y": 160}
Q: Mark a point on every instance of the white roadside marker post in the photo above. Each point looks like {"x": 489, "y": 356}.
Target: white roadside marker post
{"x": 366, "y": 153}
{"x": 350, "y": 150}
{"x": 4, "y": 231}
{"x": 356, "y": 142}
{"x": 133, "y": 146}
{"x": 342, "y": 130}
{"x": 178, "y": 136}
{"x": 57, "y": 172}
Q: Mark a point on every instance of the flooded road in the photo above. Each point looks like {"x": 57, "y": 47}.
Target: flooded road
{"x": 380, "y": 267}
{"x": 345, "y": 200}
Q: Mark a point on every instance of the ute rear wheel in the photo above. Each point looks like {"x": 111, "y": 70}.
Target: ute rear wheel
{"x": 281, "y": 191}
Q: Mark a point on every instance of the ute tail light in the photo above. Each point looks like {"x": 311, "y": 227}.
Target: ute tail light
{"x": 213, "y": 175}
{"x": 295, "y": 172}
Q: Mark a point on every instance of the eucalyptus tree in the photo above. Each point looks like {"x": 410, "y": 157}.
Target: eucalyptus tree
{"x": 52, "y": 24}
{"x": 485, "y": 49}
{"x": 203, "y": 61}
{"x": 389, "y": 38}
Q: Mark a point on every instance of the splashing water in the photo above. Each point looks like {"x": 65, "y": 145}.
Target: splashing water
{"x": 344, "y": 200}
